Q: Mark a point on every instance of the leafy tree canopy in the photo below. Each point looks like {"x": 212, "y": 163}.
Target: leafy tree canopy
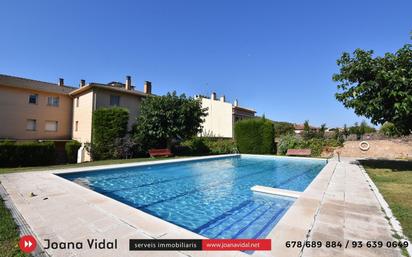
{"x": 165, "y": 118}
{"x": 379, "y": 88}
{"x": 283, "y": 128}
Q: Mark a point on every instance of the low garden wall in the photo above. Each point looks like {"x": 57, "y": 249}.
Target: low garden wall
{"x": 387, "y": 149}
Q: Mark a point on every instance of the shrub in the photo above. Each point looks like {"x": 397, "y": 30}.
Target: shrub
{"x": 316, "y": 145}
{"x": 193, "y": 146}
{"x": 288, "y": 141}
{"x": 128, "y": 147}
{"x": 389, "y": 129}
{"x": 109, "y": 125}
{"x": 221, "y": 146}
{"x": 14, "y": 154}
{"x": 283, "y": 128}
{"x": 255, "y": 136}
{"x": 203, "y": 146}
{"x": 71, "y": 148}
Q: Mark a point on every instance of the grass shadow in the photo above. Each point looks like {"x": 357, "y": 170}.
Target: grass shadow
{"x": 395, "y": 165}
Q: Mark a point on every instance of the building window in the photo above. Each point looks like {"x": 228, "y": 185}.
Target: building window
{"x": 50, "y": 125}
{"x": 76, "y": 126}
{"x": 53, "y": 101}
{"x": 77, "y": 102}
{"x": 33, "y": 98}
{"x": 114, "y": 100}
{"x": 31, "y": 125}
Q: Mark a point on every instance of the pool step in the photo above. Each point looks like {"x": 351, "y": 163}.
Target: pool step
{"x": 253, "y": 220}
{"x": 276, "y": 191}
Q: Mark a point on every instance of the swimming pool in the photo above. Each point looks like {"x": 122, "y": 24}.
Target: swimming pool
{"x": 210, "y": 197}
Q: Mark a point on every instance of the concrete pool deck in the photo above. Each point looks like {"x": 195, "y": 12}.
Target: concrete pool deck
{"x": 339, "y": 205}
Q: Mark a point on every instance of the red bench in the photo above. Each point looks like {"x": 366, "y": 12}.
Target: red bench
{"x": 160, "y": 152}
{"x": 299, "y": 152}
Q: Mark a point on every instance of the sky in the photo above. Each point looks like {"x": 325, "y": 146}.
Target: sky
{"x": 276, "y": 57}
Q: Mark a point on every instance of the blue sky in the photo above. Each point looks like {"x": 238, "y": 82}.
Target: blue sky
{"x": 277, "y": 57}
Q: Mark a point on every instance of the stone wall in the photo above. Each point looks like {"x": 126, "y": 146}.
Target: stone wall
{"x": 387, "y": 149}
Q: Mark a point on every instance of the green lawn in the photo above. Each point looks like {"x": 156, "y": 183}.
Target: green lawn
{"x": 85, "y": 164}
{"x": 9, "y": 236}
{"x": 394, "y": 180}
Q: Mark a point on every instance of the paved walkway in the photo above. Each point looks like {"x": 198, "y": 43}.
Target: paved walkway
{"x": 350, "y": 211}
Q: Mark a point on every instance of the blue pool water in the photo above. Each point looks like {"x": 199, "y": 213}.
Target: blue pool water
{"x": 209, "y": 197}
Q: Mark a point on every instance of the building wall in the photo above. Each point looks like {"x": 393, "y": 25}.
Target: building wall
{"x": 219, "y": 121}
{"x": 82, "y": 114}
{"x": 15, "y": 110}
{"x": 128, "y": 101}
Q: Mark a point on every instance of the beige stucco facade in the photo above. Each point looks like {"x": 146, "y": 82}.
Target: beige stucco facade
{"x": 221, "y": 116}
{"x": 129, "y": 101}
{"x": 83, "y": 106}
{"x": 218, "y": 122}
{"x": 16, "y": 111}
{"x": 93, "y": 97}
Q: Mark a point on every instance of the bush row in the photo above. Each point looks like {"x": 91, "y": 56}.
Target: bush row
{"x": 316, "y": 145}
{"x": 14, "y": 154}
{"x": 33, "y": 153}
{"x": 203, "y": 146}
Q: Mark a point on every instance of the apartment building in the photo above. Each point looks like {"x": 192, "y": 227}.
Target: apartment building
{"x": 93, "y": 96}
{"x": 34, "y": 110}
{"x": 222, "y": 115}
{"x": 37, "y": 110}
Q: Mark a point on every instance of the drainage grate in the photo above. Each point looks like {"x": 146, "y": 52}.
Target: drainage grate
{"x": 24, "y": 228}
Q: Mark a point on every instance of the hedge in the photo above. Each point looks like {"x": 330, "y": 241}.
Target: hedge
{"x": 14, "y": 154}
{"x": 109, "y": 125}
{"x": 71, "y": 148}
{"x": 255, "y": 136}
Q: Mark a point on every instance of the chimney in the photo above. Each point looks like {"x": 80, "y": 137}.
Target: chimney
{"x": 236, "y": 103}
{"x": 147, "y": 89}
{"x": 222, "y": 98}
{"x": 213, "y": 96}
{"x": 82, "y": 83}
{"x": 61, "y": 82}
{"x": 128, "y": 83}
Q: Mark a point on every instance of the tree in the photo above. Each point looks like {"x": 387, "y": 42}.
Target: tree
{"x": 306, "y": 126}
{"x": 308, "y": 133}
{"x": 283, "y": 128}
{"x": 345, "y": 131}
{"x": 361, "y": 129}
{"x": 379, "y": 88}
{"x": 322, "y": 130}
{"x": 166, "y": 118}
